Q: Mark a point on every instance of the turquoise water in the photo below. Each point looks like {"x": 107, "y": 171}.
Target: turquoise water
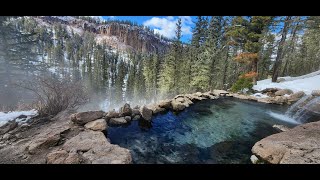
{"x": 210, "y": 131}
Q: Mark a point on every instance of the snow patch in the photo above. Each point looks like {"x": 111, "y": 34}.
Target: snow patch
{"x": 302, "y": 83}
{"x": 11, "y": 115}
{"x": 259, "y": 95}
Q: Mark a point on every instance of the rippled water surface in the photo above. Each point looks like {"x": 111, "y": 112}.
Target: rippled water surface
{"x": 210, "y": 131}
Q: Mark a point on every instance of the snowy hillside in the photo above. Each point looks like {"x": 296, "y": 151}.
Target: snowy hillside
{"x": 5, "y": 117}
{"x": 305, "y": 83}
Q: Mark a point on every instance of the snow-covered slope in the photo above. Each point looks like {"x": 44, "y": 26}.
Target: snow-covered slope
{"x": 306, "y": 83}
{"x": 5, "y": 117}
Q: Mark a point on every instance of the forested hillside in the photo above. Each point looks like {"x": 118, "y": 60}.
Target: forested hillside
{"x": 128, "y": 62}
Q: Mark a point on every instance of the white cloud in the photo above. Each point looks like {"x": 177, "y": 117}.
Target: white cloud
{"x": 111, "y": 17}
{"x": 167, "y": 26}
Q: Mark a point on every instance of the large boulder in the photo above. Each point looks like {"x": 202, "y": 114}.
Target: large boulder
{"x": 48, "y": 137}
{"x": 165, "y": 104}
{"x": 283, "y": 92}
{"x": 296, "y": 96}
{"x": 97, "y": 125}
{"x": 125, "y": 110}
{"x": 82, "y": 118}
{"x": 315, "y": 93}
{"x": 299, "y": 145}
{"x": 117, "y": 121}
{"x": 10, "y": 125}
{"x": 146, "y": 113}
{"x": 96, "y": 149}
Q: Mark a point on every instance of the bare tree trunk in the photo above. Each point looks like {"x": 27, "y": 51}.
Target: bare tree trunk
{"x": 278, "y": 62}
{"x": 294, "y": 32}
{"x": 226, "y": 64}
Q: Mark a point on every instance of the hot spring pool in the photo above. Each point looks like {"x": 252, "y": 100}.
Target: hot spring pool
{"x": 210, "y": 132}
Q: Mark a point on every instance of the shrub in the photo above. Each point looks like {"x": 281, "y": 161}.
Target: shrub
{"x": 241, "y": 84}
{"x": 56, "y": 94}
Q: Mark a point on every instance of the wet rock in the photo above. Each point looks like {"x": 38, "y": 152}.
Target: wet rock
{"x": 125, "y": 110}
{"x": 146, "y": 113}
{"x": 283, "y": 92}
{"x": 315, "y": 93}
{"x": 117, "y": 121}
{"x": 10, "y": 125}
{"x": 97, "y": 125}
{"x": 127, "y": 118}
{"x": 299, "y": 145}
{"x": 180, "y": 103}
{"x": 85, "y": 117}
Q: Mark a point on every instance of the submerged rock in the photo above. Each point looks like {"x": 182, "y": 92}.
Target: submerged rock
{"x": 82, "y": 118}
{"x": 97, "y": 125}
{"x": 146, "y": 113}
{"x": 299, "y": 145}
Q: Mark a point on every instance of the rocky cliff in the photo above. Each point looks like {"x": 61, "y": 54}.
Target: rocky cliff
{"x": 118, "y": 35}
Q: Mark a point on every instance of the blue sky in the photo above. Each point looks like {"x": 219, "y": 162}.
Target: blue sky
{"x": 164, "y": 25}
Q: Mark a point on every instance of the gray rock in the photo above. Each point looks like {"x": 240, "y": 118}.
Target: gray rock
{"x": 97, "y": 125}
{"x": 57, "y": 157}
{"x": 146, "y": 113}
{"x": 96, "y": 149}
{"x": 135, "y": 112}
{"x": 117, "y": 121}
{"x": 127, "y": 118}
{"x": 283, "y": 92}
{"x": 125, "y": 110}
{"x": 296, "y": 96}
{"x": 299, "y": 145}
{"x": 9, "y": 126}
{"x": 112, "y": 114}
{"x": 85, "y": 117}
{"x": 165, "y": 104}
